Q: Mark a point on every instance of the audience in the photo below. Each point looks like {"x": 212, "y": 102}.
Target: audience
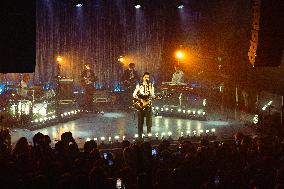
{"x": 244, "y": 162}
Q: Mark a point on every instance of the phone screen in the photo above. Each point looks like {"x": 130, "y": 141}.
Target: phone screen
{"x": 105, "y": 155}
{"x": 118, "y": 183}
{"x": 154, "y": 152}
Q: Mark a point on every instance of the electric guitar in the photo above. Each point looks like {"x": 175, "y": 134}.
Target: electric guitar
{"x": 142, "y": 104}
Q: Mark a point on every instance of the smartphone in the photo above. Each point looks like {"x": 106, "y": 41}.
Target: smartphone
{"x": 154, "y": 152}
{"x": 105, "y": 155}
{"x": 217, "y": 180}
{"x": 118, "y": 183}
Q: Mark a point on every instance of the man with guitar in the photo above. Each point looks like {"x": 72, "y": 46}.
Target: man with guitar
{"x": 87, "y": 81}
{"x": 143, "y": 94}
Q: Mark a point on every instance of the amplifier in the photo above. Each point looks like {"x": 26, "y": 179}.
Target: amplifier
{"x": 101, "y": 96}
{"x": 65, "y": 89}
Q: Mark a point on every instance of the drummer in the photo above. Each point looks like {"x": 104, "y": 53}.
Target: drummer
{"x": 178, "y": 76}
{"x": 24, "y": 86}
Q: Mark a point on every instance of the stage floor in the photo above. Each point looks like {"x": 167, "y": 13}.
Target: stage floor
{"x": 114, "y": 123}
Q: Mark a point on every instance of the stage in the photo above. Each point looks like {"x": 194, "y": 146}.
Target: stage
{"x": 124, "y": 124}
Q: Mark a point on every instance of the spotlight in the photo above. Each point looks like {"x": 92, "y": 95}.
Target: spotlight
{"x": 179, "y": 110}
{"x": 213, "y": 130}
{"x": 149, "y": 134}
{"x": 157, "y": 134}
{"x": 137, "y": 6}
{"x": 181, "y": 134}
{"x": 79, "y": 5}
{"x": 170, "y": 133}
{"x": 103, "y": 138}
{"x": 143, "y": 135}
{"x": 207, "y": 131}
{"x": 180, "y": 6}
{"x": 116, "y": 137}
{"x": 123, "y": 138}
{"x": 109, "y": 139}
{"x": 88, "y": 139}
{"x": 187, "y": 132}
{"x": 167, "y": 109}
{"x": 136, "y": 136}
{"x": 95, "y": 139}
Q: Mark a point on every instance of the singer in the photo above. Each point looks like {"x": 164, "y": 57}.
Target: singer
{"x": 145, "y": 92}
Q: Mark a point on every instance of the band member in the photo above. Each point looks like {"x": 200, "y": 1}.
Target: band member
{"x": 24, "y": 86}
{"x": 88, "y": 80}
{"x": 144, "y": 91}
{"x": 129, "y": 78}
{"x": 178, "y": 76}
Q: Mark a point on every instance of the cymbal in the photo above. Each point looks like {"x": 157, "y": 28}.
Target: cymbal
{"x": 13, "y": 86}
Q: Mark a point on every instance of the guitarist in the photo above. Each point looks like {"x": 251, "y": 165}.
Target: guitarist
{"x": 88, "y": 79}
{"x": 144, "y": 92}
{"x": 129, "y": 78}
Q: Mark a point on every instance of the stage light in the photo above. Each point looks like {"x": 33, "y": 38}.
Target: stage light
{"x": 193, "y": 111}
{"x": 123, "y": 137}
{"x": 103, "y": 138}
{"x": 203, "y": 113}
{"x": 199, "y": 112}
{"x": 72, "y": 112}
{"x": 53, "y": 117}
{"x": 109, "y": 139}
{"x": 79, "y": 5}
{"x": 201, "y": 130}
{"x": 187, "y": 132}
{"x": 180, "y": 6}
{"x": 88, "y": 139}
{"x": 183, "y": 111}
{"x": 137, "y": 6}
{"x": 95, "y": 139}
{"x": 149, "y": 134}
{"x": 120, "y": 59}
{"x": 65, "y": 113}
{"x": 194, "y": 132}
{"x": 213, "y": 130}
{"x": 143, "y": 135}
{"x": 116, "y": 137}
{"x": 181, "y": 134}
{"x": 36, "y": 120}
{"x": 59, "y": 59}
{"x": 207, "y": 131}
{"x": 189, "y": 111}
{"x": 179, "y": 110}
{"x": 136, "y": 136}
{"x": 162, "y": 109}
{"x": 170, "y": 133}
{"x": 157, "y": 108}
{"x": 163, "y": 134}
{"x": 179, "y": 54}
{"x": 156, "y": 134}
{"x": 167, "y": 109}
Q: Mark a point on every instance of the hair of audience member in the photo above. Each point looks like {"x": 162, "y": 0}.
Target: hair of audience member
{"x": 97, "y": 178}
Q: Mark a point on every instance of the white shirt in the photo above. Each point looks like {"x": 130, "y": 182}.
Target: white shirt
{"x": 144, "y": 90}
{"x": 178, "y": 77}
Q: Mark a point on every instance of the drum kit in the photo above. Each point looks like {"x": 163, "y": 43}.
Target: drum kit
{"x": 35, "y": 103}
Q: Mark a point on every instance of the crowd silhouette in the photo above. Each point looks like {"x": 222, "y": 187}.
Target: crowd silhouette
{"x": 245, "y": 162}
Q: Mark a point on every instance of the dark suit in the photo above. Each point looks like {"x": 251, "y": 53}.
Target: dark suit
{"x": 88, "y": 79}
